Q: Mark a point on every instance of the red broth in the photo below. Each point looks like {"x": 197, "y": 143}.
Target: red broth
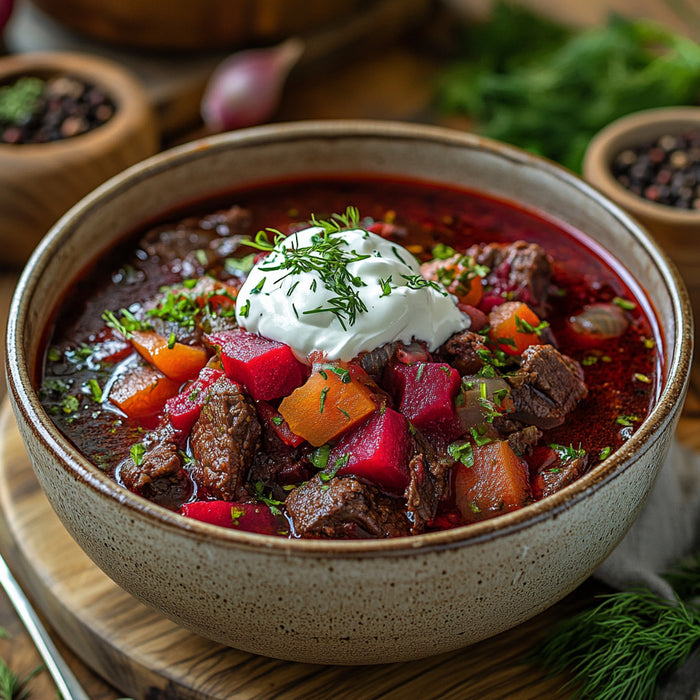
{"x": 623, "y": 374}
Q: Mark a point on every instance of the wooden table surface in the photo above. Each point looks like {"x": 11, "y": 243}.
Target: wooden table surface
{"x": 389, "y": 82}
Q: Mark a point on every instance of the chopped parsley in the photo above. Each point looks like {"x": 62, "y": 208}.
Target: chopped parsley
{"x": 137, "y": 452}
{"x": 461, "y": 451}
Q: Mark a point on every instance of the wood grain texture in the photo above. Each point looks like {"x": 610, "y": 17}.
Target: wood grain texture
{"x": 145, "y": 655}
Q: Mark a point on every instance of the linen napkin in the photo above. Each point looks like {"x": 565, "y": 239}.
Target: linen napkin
{"x": 666, "y": 530}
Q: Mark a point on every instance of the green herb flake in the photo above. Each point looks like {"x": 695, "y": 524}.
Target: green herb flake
{"x": 625, "y": 304}
{"x": 443, "y": 252}
{"x": 645, "y": 379}
{"x": 95, "y": 390}
{"x": 324, "y": 394}
{"x": 277, "y": 420}
{"x": 626, "y": 420}
{"x": 171, "y": 341}
{"x": 342, "y": 373}
{"x": 53, "y": 355}
{"x": 137, "y": 453}
{"x": 461, "y": 451}
{"x": 319, "y": 457}
{"x": 245, "y": 309}
{"x": 236, "y": 514}
{"x": 605, "y": 453}
{"x": 240, "y": 266}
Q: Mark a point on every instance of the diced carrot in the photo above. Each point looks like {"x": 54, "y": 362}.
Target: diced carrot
{"x": 142, "y": 392}
{"x": 179, "y": 362}
{"x": 512, "y": 327}
{"x": 496, "y": 483}
{"x": 326, "y": 406}
{"x": 459, "y": 275}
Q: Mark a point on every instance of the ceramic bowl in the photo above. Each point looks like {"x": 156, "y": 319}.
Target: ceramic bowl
{"x": 676, "y": 230}
{"x": 40, "y": 182}
{"x": 347, "y": 602}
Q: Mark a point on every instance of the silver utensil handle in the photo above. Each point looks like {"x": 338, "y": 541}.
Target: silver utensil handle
{"x": 65, "y": 681}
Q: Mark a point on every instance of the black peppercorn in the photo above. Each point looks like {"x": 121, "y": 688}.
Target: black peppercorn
{"x": 33, "y": 110}
{"x": 665, "y": 170}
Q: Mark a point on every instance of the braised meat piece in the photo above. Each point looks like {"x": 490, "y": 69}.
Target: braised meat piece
{"x": 224, "y": 440}
{"x": 546, "y": 387}
{"x": 523, "y": 441}
{"x": 345, "y": 507}
{"x": 157, "y": 474}
{"x": 462, "y": 351}
{"x": 520, "y": 270}
{"x": 428, "y": 485}
{"x": 556, "y": 471}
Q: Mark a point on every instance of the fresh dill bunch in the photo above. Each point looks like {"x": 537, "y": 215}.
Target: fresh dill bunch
{"x": 684, "y": 577}
{"x": 12, "y": 687}
{"x": 622, "y": 647}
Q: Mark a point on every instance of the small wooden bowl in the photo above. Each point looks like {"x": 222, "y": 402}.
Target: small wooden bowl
{"x": 676, "y": 230}
{"x": 40, "y": 182}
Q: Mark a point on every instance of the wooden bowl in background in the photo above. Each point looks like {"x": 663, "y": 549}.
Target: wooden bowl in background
{"x": 195, "y": 24}
{"x": 40, "y": 182}
{"x": 676, "y": 230}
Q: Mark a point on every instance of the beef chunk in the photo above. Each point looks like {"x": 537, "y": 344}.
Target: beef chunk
{"x": 462, "y": 351}
{"x": 345, "y": 507}
{"x": 234, "y": 221}
{"x": 158, "y": 475}
{"x": 428, "y": 485}
{"x": 523, "y": 441}
{"x": 521, "y": 270}
{"x": 224, "y": 440}
{"x": 546, "y": 387}
{"x": 557, "y": 471}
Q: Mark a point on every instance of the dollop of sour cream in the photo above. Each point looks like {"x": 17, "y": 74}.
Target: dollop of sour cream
{"x": 342, "y": 293}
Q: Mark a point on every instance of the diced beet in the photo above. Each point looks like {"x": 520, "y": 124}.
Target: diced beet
{"x": 376, "y": 451}
{"x": 250, "y": 517}
{"x": 266, "y": 369}
{"x": 184, "y": 409}
{"x": 273, "y": 420}
{"x": 425, "y": 393}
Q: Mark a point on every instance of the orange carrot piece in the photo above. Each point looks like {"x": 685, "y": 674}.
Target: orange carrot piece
{"x": 509, "y": 327}
{"x": 496, "y": 483}
{"x": 326, "y": 406}
{"x": 179, "y": 362}
{"x": 142, "y": 392}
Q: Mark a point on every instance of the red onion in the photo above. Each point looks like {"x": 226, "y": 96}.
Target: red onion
{"x": 245, "y": 88}
{"x": 6, "y": 7}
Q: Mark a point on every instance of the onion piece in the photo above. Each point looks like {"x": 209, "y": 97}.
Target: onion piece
{"x": 245, "y": 88}
{"x": 599, "y": 322}
{"x": 472, "y": 411}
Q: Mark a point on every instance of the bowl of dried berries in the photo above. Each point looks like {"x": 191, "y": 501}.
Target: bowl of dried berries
{"x": 68, "y": 122}
{"x": 649, "y": 163}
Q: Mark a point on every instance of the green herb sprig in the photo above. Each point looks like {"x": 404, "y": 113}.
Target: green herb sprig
{"x": 528, "y": 81}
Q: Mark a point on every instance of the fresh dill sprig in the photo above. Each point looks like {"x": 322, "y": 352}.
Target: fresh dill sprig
{"x": 12, "y": 687}
{"x": 622, "y": 647}
{"x": 327, "y": 258}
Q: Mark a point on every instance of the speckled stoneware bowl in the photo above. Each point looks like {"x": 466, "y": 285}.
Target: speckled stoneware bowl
{"x": 350, "y": 602}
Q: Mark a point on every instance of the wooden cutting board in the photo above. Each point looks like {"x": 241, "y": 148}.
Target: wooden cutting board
{"x": 144, "y": 655}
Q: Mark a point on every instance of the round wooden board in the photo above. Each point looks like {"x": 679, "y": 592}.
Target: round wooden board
{"x": 145, "y": 655}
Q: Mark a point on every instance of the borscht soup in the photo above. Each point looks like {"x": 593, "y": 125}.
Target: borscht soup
{"x": 351, "y": 358}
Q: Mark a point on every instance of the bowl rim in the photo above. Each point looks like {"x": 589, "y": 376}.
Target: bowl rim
{"x": 26, "y": 403}
{"x": 627, "y": 131}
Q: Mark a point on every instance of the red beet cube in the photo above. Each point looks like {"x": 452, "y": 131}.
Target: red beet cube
{"x": 425, "y": 392}
{"x": 376, "y": 451}
{"x": 250, "y": 517}
{"x": 184, "y": 409}
{"x": 266, "y": 369}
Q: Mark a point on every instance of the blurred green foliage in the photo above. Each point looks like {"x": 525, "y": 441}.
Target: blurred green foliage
{"x": 547, "y": 88}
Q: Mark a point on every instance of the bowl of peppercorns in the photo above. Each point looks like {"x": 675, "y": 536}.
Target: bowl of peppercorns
{"x": 68, "y": 122}
{"x": 649, "y": 163}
